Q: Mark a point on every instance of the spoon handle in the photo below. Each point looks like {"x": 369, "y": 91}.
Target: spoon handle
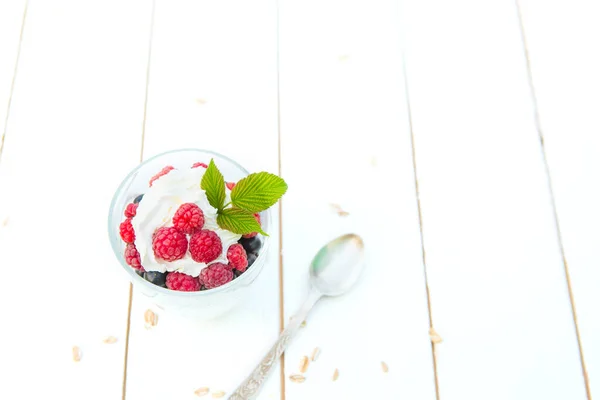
{"x": 250, "y": 388}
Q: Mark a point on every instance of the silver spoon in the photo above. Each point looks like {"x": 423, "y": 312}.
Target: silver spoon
{"x": 333, "y": 271}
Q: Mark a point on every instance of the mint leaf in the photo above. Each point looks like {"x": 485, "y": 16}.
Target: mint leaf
{"x": 213, "y": 184}
{"x": 258, "y": 191}
{"x": 238, "y": 221}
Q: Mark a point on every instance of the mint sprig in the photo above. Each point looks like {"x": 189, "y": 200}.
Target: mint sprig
{"x": 252, "y": 194}
{"x": 214, "y": 186}
{"x": 239, "y": 221}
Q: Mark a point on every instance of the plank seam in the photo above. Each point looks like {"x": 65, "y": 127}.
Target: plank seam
{"x": 14, "y": 78}
{"x": 281, "y": 294}
{"x": 147, "y": 79}
{"x": 538, "y": 127}
{"x": 420, "y": 214}
{"x": 130, "y": 300}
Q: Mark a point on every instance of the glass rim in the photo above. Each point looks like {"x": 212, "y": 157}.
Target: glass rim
{"x": 135, "y": 277}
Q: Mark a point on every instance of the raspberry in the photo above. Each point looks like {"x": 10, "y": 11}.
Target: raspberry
{"x": 251, "y": 235}
{"x": 189, "y": 218}
{"x": 169, "y": 244}
{"x": 215, "y": 275}
{"x": 182, "y": 282}
{"x": 162, "y": 172}
{"x": 132, "y": 257}
{"x": 126, "y": 231}
{"x": 236, "y": 255}
{"x": 199, "y": 164}
{"x": 130, "y": 210}
{"x": 230, "y": 185}
{"x": 205, "y": 246}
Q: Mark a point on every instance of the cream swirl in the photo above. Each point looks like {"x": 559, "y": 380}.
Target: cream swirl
{"x": 157, "y": 208}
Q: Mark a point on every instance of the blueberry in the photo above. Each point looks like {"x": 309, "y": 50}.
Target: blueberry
{"x": 236, "y": 273}
{"x": 158, "y": 278}
{"x": 138, "y": 199}
{"x": 139, "y": 272}
{"x": 251, "y": 258}
{"x": 251, "y": 245}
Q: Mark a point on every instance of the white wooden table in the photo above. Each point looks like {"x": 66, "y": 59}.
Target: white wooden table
{"x": 463, "y": 138}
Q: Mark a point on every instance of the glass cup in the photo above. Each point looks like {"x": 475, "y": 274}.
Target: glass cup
{"x": 206, "y": 304}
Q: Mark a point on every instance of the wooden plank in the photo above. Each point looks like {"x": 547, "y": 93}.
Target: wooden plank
{"x": 346, "y": 141}
{"x": 498, "y": 289}
{"x": 564, "y": 63}
{"x": 213, "y": 77}
{"x": 11, "y": 20}
{"x": 73, "y": 132}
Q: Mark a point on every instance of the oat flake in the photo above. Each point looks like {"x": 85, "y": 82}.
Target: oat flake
{"x": 384, "y": 367}
{"x": 77, "y": 354}
{"x": 336, "y": 375}
{"x": 339, "y": 210}
{"x": 304, "y": 364}
{"x": 150, "y": 318}
{"x": 434, "y": 336}
{"x": 110, "y": 340}
{"x": 315, "y": 354}
{"x": 297, "y": 378}
{"x": 201, "y": 392}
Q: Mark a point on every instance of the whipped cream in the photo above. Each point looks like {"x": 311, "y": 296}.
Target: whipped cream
{"x": 157, "y": 208}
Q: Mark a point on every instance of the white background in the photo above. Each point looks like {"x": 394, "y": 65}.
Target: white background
{"x": 461, "y": 137}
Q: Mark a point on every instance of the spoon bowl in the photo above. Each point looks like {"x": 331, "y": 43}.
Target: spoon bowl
{"x": 338, "y": 265}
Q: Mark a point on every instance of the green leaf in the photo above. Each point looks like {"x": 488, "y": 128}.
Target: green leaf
{"x": 238, "y": 221}
{"x": 257, "y": 192}
{"x": 214, "y": 186}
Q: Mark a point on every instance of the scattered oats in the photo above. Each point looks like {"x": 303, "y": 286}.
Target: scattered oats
{"x": 336, "y": 375}
{"x": 110, "y": 340}
{"x": 297, "y": 378}
{"x": 384, "y": 367}
{"x": 435, "y": 337}
{"x": 315, "y": 354}
{"x": 5, "y": 222}
{"x": 304, "y": 364}
{"x": 76, "y": 354}
{"x": 338, "y": 209}
{"x": 202, "y": 391}
{"x": 344, "y": 57}
{"x": 218, "y": 395}
{"x": 150, "y": 318}
{"x": 200, "y": 101}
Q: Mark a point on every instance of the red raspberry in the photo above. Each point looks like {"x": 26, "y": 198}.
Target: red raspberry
{"x": 230, "y": 185}
{"x": 169, "y": 244}
{"x": 215, "y": 275}
{"x": 205, "y": 246}
{"x": 199, "y": 164}
{"x": 189, "y": 218}
{"x": 251, "y": 235}
{"x": 162, "y": 172}
{"x": 236, "y": 255}
{"x": 182, "y": 282}
{"x": 130, "y": 210}
{"x": 132, "y": 257}
{"x": 126, "y": 231}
